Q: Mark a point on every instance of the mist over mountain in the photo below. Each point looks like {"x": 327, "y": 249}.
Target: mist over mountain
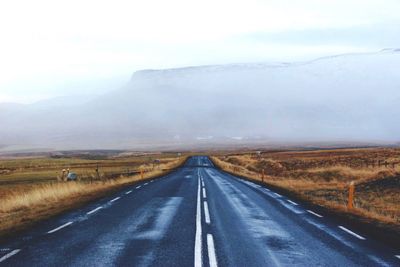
{"x": 349, "y": 98}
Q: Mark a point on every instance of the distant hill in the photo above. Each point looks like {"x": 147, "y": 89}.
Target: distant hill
{"x": 344, "y": 98}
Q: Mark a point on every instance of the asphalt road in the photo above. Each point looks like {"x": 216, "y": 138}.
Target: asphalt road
{"x": 195, "y": 216}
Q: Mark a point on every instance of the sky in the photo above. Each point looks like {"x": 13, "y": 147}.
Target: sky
{"x": 56, "y": 48}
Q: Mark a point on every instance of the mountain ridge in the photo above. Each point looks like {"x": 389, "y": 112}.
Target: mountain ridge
{"x": 257, "y": 65}
{"x": 350, "y": 97}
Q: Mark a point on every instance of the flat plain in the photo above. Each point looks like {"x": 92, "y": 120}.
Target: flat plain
{"x": 323, "y": 177}
{"x": 33, "y": 187}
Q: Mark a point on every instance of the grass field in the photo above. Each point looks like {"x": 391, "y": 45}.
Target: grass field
{"x": 31, "y": 190}
{"x": 323, "y": 177}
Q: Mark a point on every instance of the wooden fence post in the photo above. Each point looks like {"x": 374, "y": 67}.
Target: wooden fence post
{"x": 350, "y": 202}
{"x": 97, "y": 173}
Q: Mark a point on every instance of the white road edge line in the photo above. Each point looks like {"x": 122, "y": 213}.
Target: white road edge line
{"x": 212, "y": 258}
{"x": 59, "y": 228}
{"x": 294, "y": 203}
{"x": 397, "y": 256}
{"x": 276, "y": 194}
{"x": 9, "y": 255}
{"x": 204, "y": 193}
{"x": 93, "y": 211}
{"x": 314, "y": 213}
{"x": 198, "y": 257}
{"x": 206, "y": 213}
{"x": 352, "y": 233}
{"x": 127, "y": 193}
{"x": 115, "y": 199}
{"x": 137, "y": 187}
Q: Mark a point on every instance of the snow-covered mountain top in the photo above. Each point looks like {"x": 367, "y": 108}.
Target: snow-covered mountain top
{"x": 265, "y": 65}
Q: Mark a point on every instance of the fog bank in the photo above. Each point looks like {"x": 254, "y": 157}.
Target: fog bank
{"x": 346, "y": 98}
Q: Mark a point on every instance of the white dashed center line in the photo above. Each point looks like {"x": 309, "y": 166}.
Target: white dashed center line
{"x": 276, "y": 194}
{"x": 351, "y": 232}
{"x": 211, "y": 251}
{"x": 198, "y": 257}
{"x": 59, "y": 228}
{"x": 93, "y": 211}
{"x": 115, "y": 199}
{"x": 204, "y": 193}
{"x": 314, "y": 213}
{"x": 206, "y": 212}
{"x": 294, "y": 203}
{"x": 127, "y": 193}
{"x": 137, "y": 187}
{"x": 9, "y": 255}
{"x": 146, "y": 183}
{"x": 397, "y": 256}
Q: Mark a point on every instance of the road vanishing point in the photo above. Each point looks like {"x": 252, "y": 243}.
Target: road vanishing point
{"x": 197, "y": 215}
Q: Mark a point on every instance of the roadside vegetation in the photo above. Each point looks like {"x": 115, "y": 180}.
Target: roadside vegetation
{"x": 33, "y": 188}
{"x": 323, "y": 176}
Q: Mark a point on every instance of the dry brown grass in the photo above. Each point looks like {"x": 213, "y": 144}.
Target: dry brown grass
{"x": 323, "y": 176}
{"x": 23, "y": 204}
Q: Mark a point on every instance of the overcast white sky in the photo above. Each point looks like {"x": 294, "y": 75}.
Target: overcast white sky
{"x": 51, "y": 48}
